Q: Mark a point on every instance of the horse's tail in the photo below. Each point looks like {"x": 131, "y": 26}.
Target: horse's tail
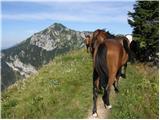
{"x": 126, "y": 46}
{"x": 101, "y": 64}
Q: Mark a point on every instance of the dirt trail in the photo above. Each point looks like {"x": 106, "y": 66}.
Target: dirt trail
{"x": 103, "y": 113}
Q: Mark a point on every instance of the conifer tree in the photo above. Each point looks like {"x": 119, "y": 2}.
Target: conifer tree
{"x": 145, "y": 23}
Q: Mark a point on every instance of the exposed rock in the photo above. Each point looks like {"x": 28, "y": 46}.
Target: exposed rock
{"x": 23, "y": 69}
{"x": 43, "y": 41}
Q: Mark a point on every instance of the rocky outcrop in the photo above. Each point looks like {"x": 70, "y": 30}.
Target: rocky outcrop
{"x": 23, "y": 69}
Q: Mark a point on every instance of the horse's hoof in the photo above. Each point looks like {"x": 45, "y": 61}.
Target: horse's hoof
{"x": 94, "y": 114}
{"x": 108, "y": 107}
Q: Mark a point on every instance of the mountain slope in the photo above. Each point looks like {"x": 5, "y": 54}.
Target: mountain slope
{"x": 25, "y": 58}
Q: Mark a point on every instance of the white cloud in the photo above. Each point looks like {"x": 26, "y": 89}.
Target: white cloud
{"x": 95, "y": 13}
{"x": 64, "y": 0}
{"x": 92, "y": 18}
{"x": 91, "y": 12}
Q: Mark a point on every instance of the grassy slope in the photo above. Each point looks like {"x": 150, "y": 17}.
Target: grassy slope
{"x": 63, "y": 89}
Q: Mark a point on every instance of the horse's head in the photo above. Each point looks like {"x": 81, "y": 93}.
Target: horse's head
{"x": 99, "y": 36}
{"x": 87, "y": 40}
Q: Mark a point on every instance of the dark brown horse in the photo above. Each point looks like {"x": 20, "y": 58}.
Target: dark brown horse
{"x": 108, "y": 58}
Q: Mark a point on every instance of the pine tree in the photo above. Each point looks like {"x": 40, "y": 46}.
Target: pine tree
{"x": 145, "y": 23}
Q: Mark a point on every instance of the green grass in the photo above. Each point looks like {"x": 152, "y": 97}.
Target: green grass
{"x": 139, "y": 94}
{"x": 63, "y": 89}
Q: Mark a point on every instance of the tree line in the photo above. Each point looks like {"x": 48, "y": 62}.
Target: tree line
{"x": 145, "y": 23}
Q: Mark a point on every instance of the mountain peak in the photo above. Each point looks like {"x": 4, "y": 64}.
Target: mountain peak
{"x": 57, "y": 26}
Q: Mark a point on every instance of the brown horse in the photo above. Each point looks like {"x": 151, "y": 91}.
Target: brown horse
{"x": 108, "y": 58}
{"x": 87, "y": 42}
{"x": 122, "y": 39}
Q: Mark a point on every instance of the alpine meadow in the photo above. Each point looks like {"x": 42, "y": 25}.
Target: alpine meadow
{"x": 80, "y": 59}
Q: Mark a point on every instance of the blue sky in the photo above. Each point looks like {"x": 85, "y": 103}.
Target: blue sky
{"x": 21, "y": 19}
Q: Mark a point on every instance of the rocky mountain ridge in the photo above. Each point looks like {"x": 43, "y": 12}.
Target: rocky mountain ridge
{"x": 24, "y": 59}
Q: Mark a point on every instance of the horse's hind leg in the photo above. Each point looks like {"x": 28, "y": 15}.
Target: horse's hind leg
{"x": 106, "y": 98}
{"x": 107, "y": 92}
{"x": 125, "y": 67}
{"x": 100, "y": 90}
{"x": 95, "y": 92}
{"x": 121, "y": 72}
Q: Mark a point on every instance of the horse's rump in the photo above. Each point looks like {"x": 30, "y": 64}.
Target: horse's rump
{"x": 107, "y": 59}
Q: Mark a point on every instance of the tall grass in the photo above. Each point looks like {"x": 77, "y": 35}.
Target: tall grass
{"x": 139, "y": 94}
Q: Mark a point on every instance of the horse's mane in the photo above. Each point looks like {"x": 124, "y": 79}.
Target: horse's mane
{"x": 120, "y": 35}
{"x": 101, "y": 30}
{"x": 110, "y": 35}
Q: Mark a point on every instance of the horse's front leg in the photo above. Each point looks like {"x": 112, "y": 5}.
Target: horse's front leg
{"x": 115, "y": 84}
{"x": 87, "y": 48}
{"x": 125, "y": 67}
{"x": 95, "y": 93}
{"x": 123, "y": 74}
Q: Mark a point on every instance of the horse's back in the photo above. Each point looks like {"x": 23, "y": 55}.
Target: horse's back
{"x": 114, "y": 46}
{"x": 124, "y": 48}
